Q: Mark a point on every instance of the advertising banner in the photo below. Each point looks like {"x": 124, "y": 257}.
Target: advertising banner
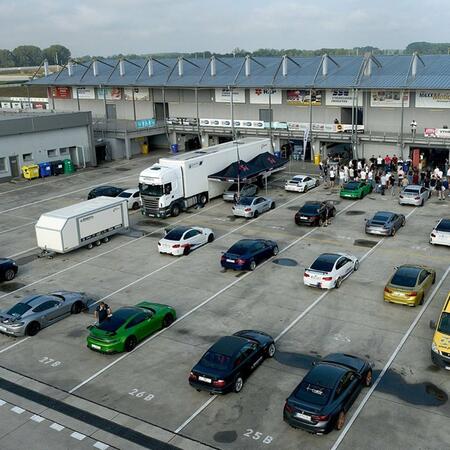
{"x": 442, "y": 133}
{"x": 342, "y": 97}
{"x": 302, "y": 97}
{"x": 61, "y": 92}
{"x": 433, "y": 99}
{"x": 145, "y": 123}
{"x": 84, "y": 93}
{"x": 139, "y": 94}
{"x": 109, "y": 93}
{"x": 261, "y": 96}
{"x": 6, "y": 105}
{"x": 389, "y": 99}
{"x": 40, "y": 105}
{"x": 17, "y": 105}
{"x": 224, "y": 95}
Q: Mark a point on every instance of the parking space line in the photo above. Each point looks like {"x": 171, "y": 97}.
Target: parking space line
{"x": 17, "y": 228}
{"x": 22, "y": 252}
{"x": 196, "y": 413}
{"x": 390, "y": 361}
{"x": 13, "y": 345}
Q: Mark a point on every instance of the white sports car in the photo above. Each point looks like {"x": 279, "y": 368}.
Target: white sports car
{"x": 330, "y": 269}
{"x": 181, "y": 240}
{"x": 301, "y": 183}
{"x": 441, "y": 233}
{"x": 133, "y": 198}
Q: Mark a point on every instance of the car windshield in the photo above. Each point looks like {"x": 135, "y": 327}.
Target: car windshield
{"x": 309, "y": 209}
{"x": 444, "y": 225}
{"x": 215, "y": 360}
{"x": 381, "y": 217}
{"x": 312, "y": 393}
{"x": 296, "y": 180}
{"x": 240, "y": 248}
{"x": 351, "y": 186}
{"x": 153, "y": 190}
{"x": 176, "y": 234}
{"x": 112, "y": 323}
{"x": 125, "y": 194}
{"x": 405, "y": 276}
{"x": 246, "y": 201}
{"x": 324, "y": 263}
{"x": 444, "y": 324}
{"x": 411, "y": 191}
{"x": 19, "y": 309}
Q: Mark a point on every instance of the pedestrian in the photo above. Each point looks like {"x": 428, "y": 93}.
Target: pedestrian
{"x": 351, "y": 173}
{"x": 415, "y": 178}
{"x": 405, "y": 182}
{"x": 440, "y": 189}
{"x": 379, "y": 162}
{"x": 387, "y": 162}
{"x": 102, "y": 312}
{"x": 383, "y": 183}
{"x": 392, "y": 184}
{"x": 332, "y": 177}
{"x": 359, "y": 165}
{"x": 413, "y": 127}
{"x": 341, "y": 177}
{"x": 394, "y": 163}
{"x": 363, "y": 175}
{"x": 346, "y": 174}
{"x": 373, "y": 160}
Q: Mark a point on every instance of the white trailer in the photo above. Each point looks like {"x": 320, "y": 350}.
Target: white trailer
{"x": 179, "y": 182}
{"x": 84, "y": 224}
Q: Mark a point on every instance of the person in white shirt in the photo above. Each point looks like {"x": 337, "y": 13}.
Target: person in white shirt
{"x": 383, "y": 180}
{"x": 351, "y": 173}
{"x": 363, "y": 175}
{"x": 341, "y": 177}
{"x": 332, "y": 177}
{"x": 413, "y": 127}
{"x": 359, "y": 165}
{"x": 379, "y": 161}
{"x": 345, "y": 174}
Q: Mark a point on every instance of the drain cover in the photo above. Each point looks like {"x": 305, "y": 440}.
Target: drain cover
{"x": 365, "y": 243}
{"x": 285, "y": 262}
{"x": 355, "y": 213}
{"x": 122, "y": 169}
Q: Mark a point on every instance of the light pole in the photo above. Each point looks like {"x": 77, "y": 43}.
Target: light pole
{"x": 239, "y": 170}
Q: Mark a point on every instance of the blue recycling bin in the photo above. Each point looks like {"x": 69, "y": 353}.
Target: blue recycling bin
{"x": 277, "y": 154}
{"x": 45, "y": 169}
{"x": 174, "y": 148}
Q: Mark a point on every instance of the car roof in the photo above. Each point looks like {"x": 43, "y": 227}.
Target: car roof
{"x": 181, "y": 228}
{"x": 229, "y": 345}
{"x": 415, "y": 187}
{"x": 126, "y": 312}
{"x": 329, "y": 257}
{"x": 409, "y": 270}
{"x": 248, "y": 241}
{"x": 325, "y": 374}
{"x": 34, "y": 300}
{"x": 313, "y": 202}
{"x": 131, "y": 190}
{"x": 385, "y": 213}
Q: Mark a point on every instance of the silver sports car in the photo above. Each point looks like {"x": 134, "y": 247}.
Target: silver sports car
{"x": 385, "y": 223}
{"x": 252, "y": 206}
{"x": 39, "y": 311}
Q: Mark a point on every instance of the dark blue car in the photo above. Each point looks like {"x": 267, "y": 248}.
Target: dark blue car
{"x": 8, "y": 269}
{"x": 246, "y": 254}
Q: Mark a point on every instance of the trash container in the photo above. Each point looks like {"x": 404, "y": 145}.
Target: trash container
{"x": 174, "y": 148}
{"x": 68, "y": 166}
{"x": 57, "y": 167}
{"x": 277, "y": 154}
{"x": 44, "y": 169}
{"x": 144, "y": 149}
{"x": 317, "y": 159}
{"x": 30, "y": 172}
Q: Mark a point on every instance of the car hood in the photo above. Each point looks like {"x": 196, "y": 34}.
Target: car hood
{"x": 8, "y": 318}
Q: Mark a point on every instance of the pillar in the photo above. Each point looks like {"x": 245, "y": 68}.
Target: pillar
{"x": 205, "y": 140}
{"x": 127, "y": 147}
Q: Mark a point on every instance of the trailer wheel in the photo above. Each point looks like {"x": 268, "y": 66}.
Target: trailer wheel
{"x": 105, "y": 239}
{"x": 202, "y": 199}
{"x": 98, "y": 243}
{"x": 90, "y": 246}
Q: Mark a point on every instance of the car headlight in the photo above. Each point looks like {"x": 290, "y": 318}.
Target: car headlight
{"x": 16, "y": 324}
{"x": 434, "y": 348}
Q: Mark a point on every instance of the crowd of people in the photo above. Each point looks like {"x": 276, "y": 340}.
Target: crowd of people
{"x": 388, "y": 174}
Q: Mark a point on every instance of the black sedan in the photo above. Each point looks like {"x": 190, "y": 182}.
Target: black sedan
{"x": 225, "y": 366}
{"x": 315, "y": 213}
{"x": 322, "y": 399}
{"x": 106, "y": 191}
{"x": 8, "y": 269}
{"x": 385, "y": 223}
{"x": 247, "y": 253}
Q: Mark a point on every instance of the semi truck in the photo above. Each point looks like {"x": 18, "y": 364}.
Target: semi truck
{"x": 179, "y": 182}
{"x": 84, "y": 224}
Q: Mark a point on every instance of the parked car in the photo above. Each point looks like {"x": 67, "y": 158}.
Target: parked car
{"x": 181, "y": 240}
{"x": 8, "y": 269}
{"x": 245, "y": 190}
{"x": 441, "y": 233}
{"x": 314, "y": 213}
{"x": 414, "y": 195}
{"x": 35, "y": 312}
{"x": 252, "y": 206}
{"x": 323, "y": 398}
{"x": 385, "y": 223}
{"x": 104, "y": 191}
{"x": 226, "y": 365}
{"x": 355, "y": 189}
{"x": 408, "y": 285}
{"x": 133, "y": 198}
{"x": 247, "y": 253}
{"x": 440, "y": 346}
{"x": 330, "y": 269}
{"x": 301, "y": 183}
{"x": 127, "y": 326}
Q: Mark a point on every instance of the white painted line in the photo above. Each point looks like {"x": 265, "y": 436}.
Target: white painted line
{"x": 56, "y": 426}
{"x": 17, "y": 410}
{"x": 22, "y": 252}
{"x": 37, "y": 418}
{"x": 77, "y": 436}
{"x": 196, "y": 413}
{"x": 17, "y": 228}
{"x": 2, "y": 402}
{"x": 101, "y": 445}
{"x": 13, "y": 345}
{"x": 390, "y": 361}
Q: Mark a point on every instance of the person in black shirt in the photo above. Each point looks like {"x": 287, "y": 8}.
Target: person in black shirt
{"x": 102, "y": 312}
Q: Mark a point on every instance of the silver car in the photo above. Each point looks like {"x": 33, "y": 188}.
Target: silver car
{"x": 252, "y": 206}
{"x": 414, "y": 194}
{"x": 35, "y": 312}
{"x": 245, "y": 190}
{"x": 385, "y": 223}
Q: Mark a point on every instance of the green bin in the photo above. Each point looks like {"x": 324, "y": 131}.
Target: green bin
{"x": 68, "y": 166}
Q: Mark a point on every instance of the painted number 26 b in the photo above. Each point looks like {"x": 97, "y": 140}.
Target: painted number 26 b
{"x": 141, "y": 394}
{"x": 256, "y": 435}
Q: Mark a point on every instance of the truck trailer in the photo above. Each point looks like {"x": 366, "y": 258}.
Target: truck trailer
{"x": 84, "y": 224}
{"x": 176, "y": 183}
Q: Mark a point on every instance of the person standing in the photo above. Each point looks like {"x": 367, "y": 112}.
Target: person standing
{"x": 379, "y": 162}
{"x": 332, "y": 177}
{"x": 383, "y": 183}
{"x": 413, "y": 128}
{"x": 387, "y": 162}
{"x": 440, "y": 189}
{"x": 102, "y": 312}
{"x": 341, "y": 177}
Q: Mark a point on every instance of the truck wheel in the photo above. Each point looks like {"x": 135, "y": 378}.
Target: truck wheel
{"x": 90, "y": 246}
{"x": 105, "y": 240}
{"x": 175, "y": 211}
{"x": 202, "y": 199}
{"x": 98, "y": 243}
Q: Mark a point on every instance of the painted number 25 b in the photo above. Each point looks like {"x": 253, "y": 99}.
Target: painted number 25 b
{"x": 256, "y": 435}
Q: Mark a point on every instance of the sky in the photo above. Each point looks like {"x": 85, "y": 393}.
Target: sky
{"x": 107, "y": 27}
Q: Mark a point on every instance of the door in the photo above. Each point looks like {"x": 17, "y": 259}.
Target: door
{"x": 266, "y": 115}
{"x": 48, "y": 312}
{"x": 141, "y": 326}
{"x": 14, "y": 166}
{"x": 111, "y": 113}
{"x": 161, "y": 111}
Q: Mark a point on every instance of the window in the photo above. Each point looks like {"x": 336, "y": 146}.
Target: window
{"x": 2, "y": 164}
{"x": 422, "y": 277}
{"x": 137, "y": 320}
{"x": 51, "y": 152}
{"x": 167, "y": 188}
{"x": 136, "y": 194}
{"x": 45, "y": 306}
{"x": 27, "y": 157}
{"x": 63, "y": 151}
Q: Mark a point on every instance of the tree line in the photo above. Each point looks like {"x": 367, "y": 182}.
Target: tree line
{"x": 30, "y": 55}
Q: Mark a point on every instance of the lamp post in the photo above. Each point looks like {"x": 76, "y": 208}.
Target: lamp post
{"x": 239, "y": 170}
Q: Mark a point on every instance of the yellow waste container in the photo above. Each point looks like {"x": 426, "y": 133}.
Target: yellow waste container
{"x": 30, "y": 172}
{"x": 144, "y": 149}
{"x": 317, "y": 159}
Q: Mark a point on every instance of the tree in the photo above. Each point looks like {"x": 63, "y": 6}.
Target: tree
{"x": 27, "y": 55}
{"x": 7, "y": 58}
{"x": 56, "y": 54}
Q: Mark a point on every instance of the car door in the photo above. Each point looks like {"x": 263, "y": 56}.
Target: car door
{"x": 198, "y": 237}
{"x": 250, "y": 357}
{"x": 140, "y": 326}
{"x": 344, "y": 267}
{"x": 47, "y": 312}
{"x": 266, "y": 204}
{"x": 350, "y": 386}
{"x": 190, "y": 238}
{"x": 425, "y": 279}
{"x": 257, "y": 206}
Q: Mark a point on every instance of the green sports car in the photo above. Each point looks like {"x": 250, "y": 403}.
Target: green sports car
{"x": 355, "y": 189}
{"x": 129, "y": 325}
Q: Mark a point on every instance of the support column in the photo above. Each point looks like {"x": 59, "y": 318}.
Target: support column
{"x": 173, "y": 137}
{"x": 127, "y": 146}
{"x": 276, "y": 143}
{"x": 205, "y": 140}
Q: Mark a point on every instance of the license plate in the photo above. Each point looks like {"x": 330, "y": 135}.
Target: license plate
{"x": 303, "y": 217}
{"x": 97, "y": 347}
{"x": 2, "y": 328}
{"x": 447, "y": 367}
{"x": 303, "y": 417}
{"x": 204, "y": 379}
{"x": 230, "y": 260}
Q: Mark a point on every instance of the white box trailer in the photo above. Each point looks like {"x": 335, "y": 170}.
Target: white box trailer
{"x": 82, "y": 225}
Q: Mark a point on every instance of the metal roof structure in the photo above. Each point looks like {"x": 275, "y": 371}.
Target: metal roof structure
{"x": 319, "y": 72}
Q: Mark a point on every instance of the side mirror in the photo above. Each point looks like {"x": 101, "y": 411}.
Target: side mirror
{"x": 395, "y": 267}
{"x": 89, "y": 327}
{"x": 432, "y": 324}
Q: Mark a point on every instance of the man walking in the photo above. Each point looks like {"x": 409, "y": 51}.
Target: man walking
{"x": 413, "y": 127}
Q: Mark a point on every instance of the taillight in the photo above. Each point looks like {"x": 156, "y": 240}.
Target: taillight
{"x": 400, "y": 196}
{"x": 240, "y": 261}
{"x": 319, "y": 418}
{"x": 288, "y": 408}
{"x": 218, "y": 383}
{"x": 412, "y": 294}
{"x": 389, "y": 291}
{"x": 247, "y": 209}
{"x": 306, "y": 275}
{"x": 192, "y": 376}
{"x": 327, "y": 278}
{"x": 222, "y": 258}
{"x": 176, "y": 246}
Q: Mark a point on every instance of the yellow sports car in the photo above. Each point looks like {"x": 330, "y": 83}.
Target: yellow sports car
{"x": 409, "y": 284}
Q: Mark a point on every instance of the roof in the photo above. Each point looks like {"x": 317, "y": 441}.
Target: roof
{"x": 325, "y": 375}
{"x": 320, "y": 72}
{"x": 228, "y": 345}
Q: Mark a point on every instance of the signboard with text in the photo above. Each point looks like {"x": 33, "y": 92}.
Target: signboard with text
{"x": 441, "y": 133}
{"x": 138, "y": 92}
{"x": 224, "y": 95}
{"x": 109, "y": 93}
{"x": 261, "y": 96}
{"x": 389, "y": 99}
{"x": 433, "y": 99}
{"x": 61, "y": 92}
{"x": 84, "y": 93}
{"x": 145, "y": 123}
{"x": 304, "y": 97}
{"x": 342, "y": 97}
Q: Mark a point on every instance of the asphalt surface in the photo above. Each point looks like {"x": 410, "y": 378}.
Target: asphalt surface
{"x": 408, "y": 408}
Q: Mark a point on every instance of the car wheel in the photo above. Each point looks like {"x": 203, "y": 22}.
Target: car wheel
{"x": 275, "y": 250}
{"x": 255, "y": 214}
{"x": 167, "y": 321}
{"x": 356, "y": 265}
{"x": 135, "y": 205}
{"x": 33, "y": 329}
{"x": 90, "y": 246}
{"x": 368, "y": 378}
{"x": 238, "y": 384}
{"x": 252, "y": 265}
{"x": 422, "y": 299}
{"x": 175, "y": 211}
{"x": 9, "y": 275}
{"x": 211, "y": 238}
{"x": 317, "y": 183}
{"x": 338, "y": 283}
{"x": 77, "y": 307}
{"x": 403, "y": 221}
{"x": 422, "y": 202}
{"x": 305, "y": 189}
{"x": 130, "y": 343}
{"x": 320, "y": 223}
{"x": 272, "y": 205}
{"x": 187, "y": 250}
{"x": 340, "y": 421}
{"x": 271, "y": 350}
{"x": 393, "y": 231}
{"x": 98, "y": 243}
{"x": 434, "y": 279}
